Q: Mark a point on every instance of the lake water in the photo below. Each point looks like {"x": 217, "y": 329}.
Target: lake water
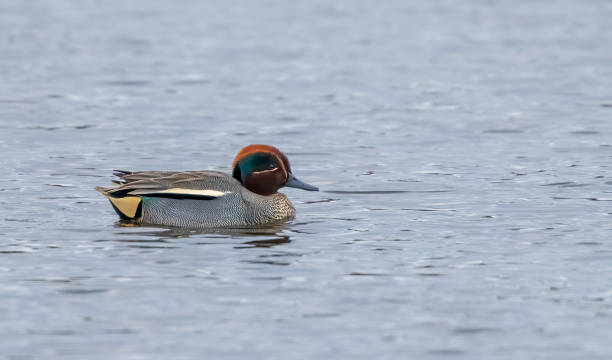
{"x": 462, "y": 151}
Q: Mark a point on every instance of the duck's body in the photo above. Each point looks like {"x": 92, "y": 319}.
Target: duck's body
{"x": 209, "y": 198}
{"x": 198, "y": 199}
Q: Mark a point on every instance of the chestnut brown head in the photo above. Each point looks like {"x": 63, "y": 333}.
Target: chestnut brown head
{"x": 263, "y": 169}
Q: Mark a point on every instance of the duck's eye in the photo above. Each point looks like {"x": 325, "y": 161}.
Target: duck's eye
{"x": 271, "y": 166}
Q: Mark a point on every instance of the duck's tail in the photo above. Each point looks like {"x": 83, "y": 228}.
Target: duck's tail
{"x": 127, "y": 207}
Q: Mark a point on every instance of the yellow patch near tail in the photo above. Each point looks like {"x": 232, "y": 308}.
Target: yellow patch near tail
{"x": 128, "y": 205}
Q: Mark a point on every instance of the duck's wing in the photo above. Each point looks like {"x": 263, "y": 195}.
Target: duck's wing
{"x": 126, "y": 198}
{"x": 205, "y": 185}
{"x": 129, "y": 176}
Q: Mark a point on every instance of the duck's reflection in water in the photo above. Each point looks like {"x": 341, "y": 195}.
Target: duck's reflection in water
{"x": 266, "y": 243}
{"x": 264, "y": 237}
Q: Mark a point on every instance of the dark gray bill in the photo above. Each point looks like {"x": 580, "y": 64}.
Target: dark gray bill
{"x": 295, "y": 183}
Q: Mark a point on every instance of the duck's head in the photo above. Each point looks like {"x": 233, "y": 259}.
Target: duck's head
{"x": 263, "y": 169}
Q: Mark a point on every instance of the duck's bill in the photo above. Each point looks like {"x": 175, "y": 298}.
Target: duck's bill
{"x": 295, "y": 183}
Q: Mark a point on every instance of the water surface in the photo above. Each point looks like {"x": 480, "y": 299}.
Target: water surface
{"x": 462, "y": 152}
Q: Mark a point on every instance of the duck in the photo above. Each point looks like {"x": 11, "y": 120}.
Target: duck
{"x": 209, "y": 199}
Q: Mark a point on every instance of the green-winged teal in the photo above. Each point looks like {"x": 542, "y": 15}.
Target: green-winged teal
{"x": 248, "y": 197}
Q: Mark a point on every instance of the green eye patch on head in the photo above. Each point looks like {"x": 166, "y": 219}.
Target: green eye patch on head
{"x": 253, "y": 163}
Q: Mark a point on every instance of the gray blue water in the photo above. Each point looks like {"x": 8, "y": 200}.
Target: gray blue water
{"x": 462, "y": 151}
